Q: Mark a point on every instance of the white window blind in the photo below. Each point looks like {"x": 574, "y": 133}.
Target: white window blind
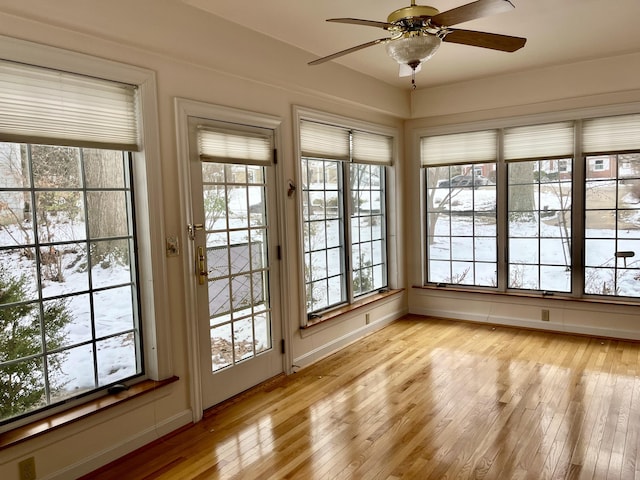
{"x": 372, "y": 148}
{"x": 224, "y": 145}
{"x": 611, "y": 134}
{"x": 455, "y": 148}
{"x": 319, "y": 140}
{"x": 539, "y": 141}
{"x": 40, "y": 105}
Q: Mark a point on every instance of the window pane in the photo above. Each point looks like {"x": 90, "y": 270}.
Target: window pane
{"x": 461, "y": 224}
{"x": 612, "y": 253}
{"x": 539, "y": 209}
{"x": 116, "y": 358}
{"x": 556, "y": 279}
{"x": 323, "y": 225}
{"x": 221, "y": 347}
{"x": 367, "y": 227}
{"x": 55, "y": 167}
{"x": 74, "y": 278}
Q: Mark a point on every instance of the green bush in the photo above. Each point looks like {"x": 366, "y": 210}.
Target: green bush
{"x": 22, "y": 373}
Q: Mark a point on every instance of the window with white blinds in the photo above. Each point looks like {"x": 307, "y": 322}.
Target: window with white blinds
{"x": 71, "y": 238}
{"x": 611, "y": 134}
{"x": 372, "y": 148}
{"x": 343, "y": 177}
{"x": 45, "y": 106}
{"x": 319, "y": 140}
{"x": 556, "y": 211}
{"x": 220, "y": 145}
{"x": 553, "y": 140}
{"x": 468, "y": 147}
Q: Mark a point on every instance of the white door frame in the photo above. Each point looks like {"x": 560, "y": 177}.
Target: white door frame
{"x": 184, "y": 109}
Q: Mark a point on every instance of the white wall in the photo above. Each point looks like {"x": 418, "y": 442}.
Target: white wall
{"x": 607, "y": 85}
{"x": 200, "y": 57}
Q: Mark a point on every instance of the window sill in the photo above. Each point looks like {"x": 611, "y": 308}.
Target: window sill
{"x": 55, "y": 421}
{"x": 336, "y": 312}
{"x": 541, "y": 296}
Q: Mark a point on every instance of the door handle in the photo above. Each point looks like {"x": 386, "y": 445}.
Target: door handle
{"x": 192, "y": 228}
{"x": 202, "y": 267}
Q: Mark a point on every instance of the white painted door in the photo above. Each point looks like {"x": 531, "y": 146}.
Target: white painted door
{"x": 236, "y": 264}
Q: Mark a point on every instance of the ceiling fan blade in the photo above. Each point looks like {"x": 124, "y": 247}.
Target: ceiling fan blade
{"x": 348, "y": 50}
{"x": 471, "y": 11}
{"x": 494, "y": 41}
{"x": 357, "y": 21}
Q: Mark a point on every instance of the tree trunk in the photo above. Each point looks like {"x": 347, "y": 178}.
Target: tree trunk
{"x": 521, "y": 193}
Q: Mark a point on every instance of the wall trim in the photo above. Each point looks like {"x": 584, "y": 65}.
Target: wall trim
{"x": 339, "y": 343}
{"x": 529, "y": 324}
{"x": 128, "y": 445}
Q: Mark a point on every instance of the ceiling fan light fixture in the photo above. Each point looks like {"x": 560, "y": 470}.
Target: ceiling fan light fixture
{"x": 413, "y": 48}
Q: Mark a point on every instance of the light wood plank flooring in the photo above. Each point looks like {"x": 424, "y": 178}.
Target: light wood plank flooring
{"x": 424, "y": 398}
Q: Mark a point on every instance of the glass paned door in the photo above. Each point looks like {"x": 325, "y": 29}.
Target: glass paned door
{"x": 239, "y": 324}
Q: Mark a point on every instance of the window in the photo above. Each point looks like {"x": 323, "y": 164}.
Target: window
{"x": 461, "y": 208}
{"x": 544, "y": 194}
{"x": 344, "y": 174}
{"x": 612, "y": 206}
{"x": 597, "y": 165}
{"x": 539, "y": 206}
{"x": 69, "y": 296}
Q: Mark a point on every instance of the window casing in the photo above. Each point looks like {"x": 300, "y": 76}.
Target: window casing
{"x": 567, "y": 204}
{"x": 79, "y": 222}
{"x": 343, "y": 176}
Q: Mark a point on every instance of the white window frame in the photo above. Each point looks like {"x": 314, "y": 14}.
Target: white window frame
{"x": 147, "y": 184}
{"x": 392, "y": 212}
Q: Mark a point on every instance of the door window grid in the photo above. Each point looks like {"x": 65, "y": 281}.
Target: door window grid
{"x": 236, "y": 231}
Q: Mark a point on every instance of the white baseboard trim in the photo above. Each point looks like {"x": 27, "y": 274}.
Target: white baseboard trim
{"x": 89, "y": 464}
{"x": 327, "y": 349}
{"x": 532, "y": 324}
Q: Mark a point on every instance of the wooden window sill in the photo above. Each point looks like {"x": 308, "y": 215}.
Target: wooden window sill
{"x": 558, "y": 296}
{"x": 336, "y": 312}
{"x": 57, "y": 420}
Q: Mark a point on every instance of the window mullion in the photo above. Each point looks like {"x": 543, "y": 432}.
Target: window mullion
{"x": 578, "y": 218}
{"x": 502, "y": 215}
{"x": 348, "y": 228}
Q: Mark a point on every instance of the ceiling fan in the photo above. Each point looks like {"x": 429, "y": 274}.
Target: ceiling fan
{"x": 418, "y": 30}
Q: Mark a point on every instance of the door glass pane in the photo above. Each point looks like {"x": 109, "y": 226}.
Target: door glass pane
{"x": 237, "y": 262}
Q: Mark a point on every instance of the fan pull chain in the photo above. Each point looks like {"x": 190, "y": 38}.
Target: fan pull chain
{"x": 413, "y": 65}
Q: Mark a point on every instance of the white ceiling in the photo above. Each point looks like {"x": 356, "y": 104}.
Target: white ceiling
{"x": 557, "y": 32}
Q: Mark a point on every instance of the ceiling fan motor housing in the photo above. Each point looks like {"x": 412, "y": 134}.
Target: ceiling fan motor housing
{"x": 407, "y": 14}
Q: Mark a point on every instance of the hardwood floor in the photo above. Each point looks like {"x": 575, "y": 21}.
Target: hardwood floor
{"x": 425, "y": 399}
